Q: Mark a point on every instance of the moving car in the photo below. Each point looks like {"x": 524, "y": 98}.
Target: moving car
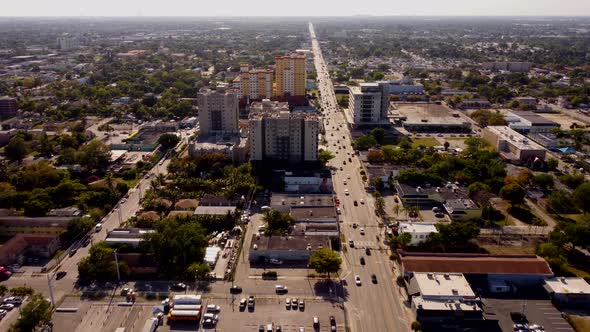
{"x": 362, "y": 260}
{"x": 362, "y": 201}
{"x": 362, "y": 231}
{"x": 354, "y": 225}
{"x": 346, "y": 192}
{"x": 60, "y": 275}
{"x": 357, "y": 280}
{"x": 368, "y": 251}
{"x": 235, "y": 289}
{"x": 316, "y": 322}
{"x": 374, "y": 278}
{"x": 332, "y": 324}
{"x": 281, "y": 289}
{"x": 355, "y": 202}
{"x": 351, "y": 243}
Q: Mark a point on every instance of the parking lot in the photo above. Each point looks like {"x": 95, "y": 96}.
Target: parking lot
{"x": 540, "y": 312}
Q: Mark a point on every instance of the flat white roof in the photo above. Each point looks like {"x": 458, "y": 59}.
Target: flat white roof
{"x": 510, "y": 135}
{"x": 568, "y": 285}
{"x": 423, "y": 304}
{"x": 443, "y": 285}
{"x": 417, "y": 227}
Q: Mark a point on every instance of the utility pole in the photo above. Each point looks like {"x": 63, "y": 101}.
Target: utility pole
{"x": 50, "y": 290}
{"x": 117, "y": 264}
{"x": 120, "y": 216}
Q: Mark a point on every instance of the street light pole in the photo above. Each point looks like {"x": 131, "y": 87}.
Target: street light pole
{"x": 117, "y": 265}
{"x": 50, "y": 290}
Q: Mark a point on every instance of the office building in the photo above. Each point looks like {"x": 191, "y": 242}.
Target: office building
{"x": 67, "y": 43}
{"x": 512, "y": 146}
{"x": 291, "y": 75}
{"x": 8, "y": 107}
{"x": 218, "y": 110}
{"x": 369, "y": 102}
{"x": 529, "y": 123}
{"x": 253, "y": 84}
{"x": 278, "y": 134}
{"x": 568, "y": 292}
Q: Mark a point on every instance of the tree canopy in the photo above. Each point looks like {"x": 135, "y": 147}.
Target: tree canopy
{"x": 277, "y": 223}
{"x": 168, "y": 141}
{"x": 325, "y": 261}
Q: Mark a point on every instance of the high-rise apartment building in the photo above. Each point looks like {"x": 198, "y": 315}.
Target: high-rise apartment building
{"x": 278, "y": 134}
{"x": 8, "y": 107}
{"x": 66, "y": 43}
{"x": 218, "y": 110}
{"x": 253, "y": 84}
{"x": 291, "y": 75}
{"x": 365, "y": 103}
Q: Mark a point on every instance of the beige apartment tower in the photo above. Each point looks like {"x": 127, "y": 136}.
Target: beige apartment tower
{"x": 278, "y": 134}
{"x": 218, "y": 111}
{"x": 253, "y": 84}
{"x": 291, "y": 75}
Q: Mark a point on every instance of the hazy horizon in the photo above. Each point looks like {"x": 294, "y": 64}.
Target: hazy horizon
{"x": 303, "y": 8}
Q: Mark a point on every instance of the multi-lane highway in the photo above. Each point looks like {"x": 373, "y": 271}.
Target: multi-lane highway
{"x": 370, "y": 306}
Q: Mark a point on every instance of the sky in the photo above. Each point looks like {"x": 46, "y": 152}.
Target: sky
{"x": 294, "y": 7}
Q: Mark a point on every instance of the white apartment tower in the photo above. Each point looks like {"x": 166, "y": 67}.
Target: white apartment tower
{"x": 278, "y": 134}
{"x": 218, "y": 111}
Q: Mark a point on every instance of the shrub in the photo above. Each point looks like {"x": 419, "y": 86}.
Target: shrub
{"x": 269, "y": 275}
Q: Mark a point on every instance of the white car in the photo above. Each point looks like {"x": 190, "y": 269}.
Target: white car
{"x": 362, "y": 231}
{"x": 7, "y": 306}
{"x": 362, "y": 201}
{"x": 344, "y": 182}
{"x": 13, "y": 300}
{"x": 357, "y": 280}
{"x": 213, "y": 308}
{"x": 346, "y": 192}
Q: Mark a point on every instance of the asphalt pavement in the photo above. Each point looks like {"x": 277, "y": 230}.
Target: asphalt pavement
{"x": 370, "y": 306}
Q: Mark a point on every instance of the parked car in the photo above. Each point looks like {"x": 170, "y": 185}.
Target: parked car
{"x": 13, "y": 300}
{"x": 316, "y": 322}
{"x": 332, "y": 324}
{"x": 60, "y": 275}
{"x": 179, "y": 286}
{"x": 301, "y": 304}
{"x": 7, "y": 306}
{"x": 213, "y": 308}
{"x": 281, "y": 289}
{"x": 294, "y": 303}
{"x": 243, "y": 303}
{"x": 288, "y": 303}
{"x": 251, "y": 302}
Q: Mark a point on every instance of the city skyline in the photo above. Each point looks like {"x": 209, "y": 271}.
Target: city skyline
{"x": 268, "y": 8}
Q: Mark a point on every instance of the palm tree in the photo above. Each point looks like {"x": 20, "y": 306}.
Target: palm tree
{"x": 416, "y": 326}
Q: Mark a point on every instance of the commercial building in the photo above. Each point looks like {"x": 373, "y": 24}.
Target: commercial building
{"x": 214, "y": 210}
{"x": 515, "y": 270}
{"x": 278, "y": 134}
{"x": 253, "y": 84}
{"x": 8, "y": 107}
{"x": 218, "y": 110}
{"x": 20, "y": 246}
{"x": 439, "y": 297}
{"x": 513, "y": 146}
{"x": 295, "y": 249}
{"x": 461, "y": 209}
{"x": 291, "y": 75}
{"x": 475, "y": 104}
{"x": 568, "y": 292}
{"x": 234, "y": 146}
{"x": 316, "y": 215}
{"x": 430, "y": 118}
{"x": 420, "y": 231}
{"x": 516, "y": 67}
{"x": 529, "y": 122}
{"x": 284, "y": 202}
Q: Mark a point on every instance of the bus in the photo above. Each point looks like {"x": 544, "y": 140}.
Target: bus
{"x": 191, "y": 307}
{"x": 150, "y": 325}
{"x": 184, "y": 315}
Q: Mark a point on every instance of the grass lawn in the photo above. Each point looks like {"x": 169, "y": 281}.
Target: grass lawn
{"x": 499, "y": 250}
{"x": 579, "y": 323}
{"x": 428, "y": 141}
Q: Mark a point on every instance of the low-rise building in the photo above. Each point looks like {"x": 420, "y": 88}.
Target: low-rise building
{"x": 317, "y": 215}
{"x": 475, "y": 104}
{"x": 127, "y": 236}
{"x": 513, "y": 146}
{"x": 439, "y": 297}
{"x": 20, "y": 246}
{"x": 461, "y": 209}
{"x": 12, "y": 225}
{"x": 8, "y": 107}
{"x": 569, "y": 292}
{"x": 513, "y": 66}
{"x": 284, "y": 202}
{"x": 517, "y": 270}
{"x": 529, "y": 122}
{"x": 294, "y": 249}
{"x": 234, "y": 146}
{"x": 214, "y": 210}
{"x": 420, "y": 231}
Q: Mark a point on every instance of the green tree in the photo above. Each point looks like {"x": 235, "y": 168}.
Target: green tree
{"x": 552, "y": 164}
{"x": 177, "y": 243}
{"x": 67, "y": 156}
{"x": 3, "y": 290}
{"x": 95, "y": 155}
{"x": 454, "y": 235}
{"x": 513, "y": 193}
{"x": 100, "y": 264}
{"x": 561, "y": 201}
{"x": 17, "y": 149}
{"x": 378, "y": 134}
{"x": 446, "y": 145}
{"x": 365, "y": 142}
{"x": 35, "y": 314}
{"x": 324, "y": 156}
{"x": 168, "y": 141}
{"x": 543, "y": 181}
{"x": 477, "y": 187}
{"x": 582, "y": 197}
{"x": 78, "y": 227}
{"x": 416, "y": 326}
{"x": 198, "y": 271}
{"x": 325, "y": 261}
{"x": 277, "y": 223}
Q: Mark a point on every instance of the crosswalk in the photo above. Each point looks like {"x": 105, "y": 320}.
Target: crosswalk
{"x": 291, "y": 327}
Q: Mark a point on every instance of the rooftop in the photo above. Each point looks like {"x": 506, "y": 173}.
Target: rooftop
{"x": 447, "y": 192}
{"x": 18, "y": 221}
{"x": 460, "y": 204}
{"x": 428, "y": 114}
{"x": 302, "y": 200}
{"x": 567, "y": 285}
{"x": 535, "y": 119}
{"x": 513, "y": 137}
{"x": 310, "y": 213}
{"x": 214, "y": 210}
{"x": 474, "y": 263}
{"x": 417, "y": 227}
{"x": 423, "y": 304}
{"x": 289, "y": 243}
{"x": 448, "y": 285}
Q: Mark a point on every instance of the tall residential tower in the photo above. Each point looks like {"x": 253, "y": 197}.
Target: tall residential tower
{"x": 218, "y": 110}
{"x": 291, "y": 75}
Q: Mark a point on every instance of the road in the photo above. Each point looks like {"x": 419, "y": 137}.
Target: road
{"x": 370, "y": 307}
